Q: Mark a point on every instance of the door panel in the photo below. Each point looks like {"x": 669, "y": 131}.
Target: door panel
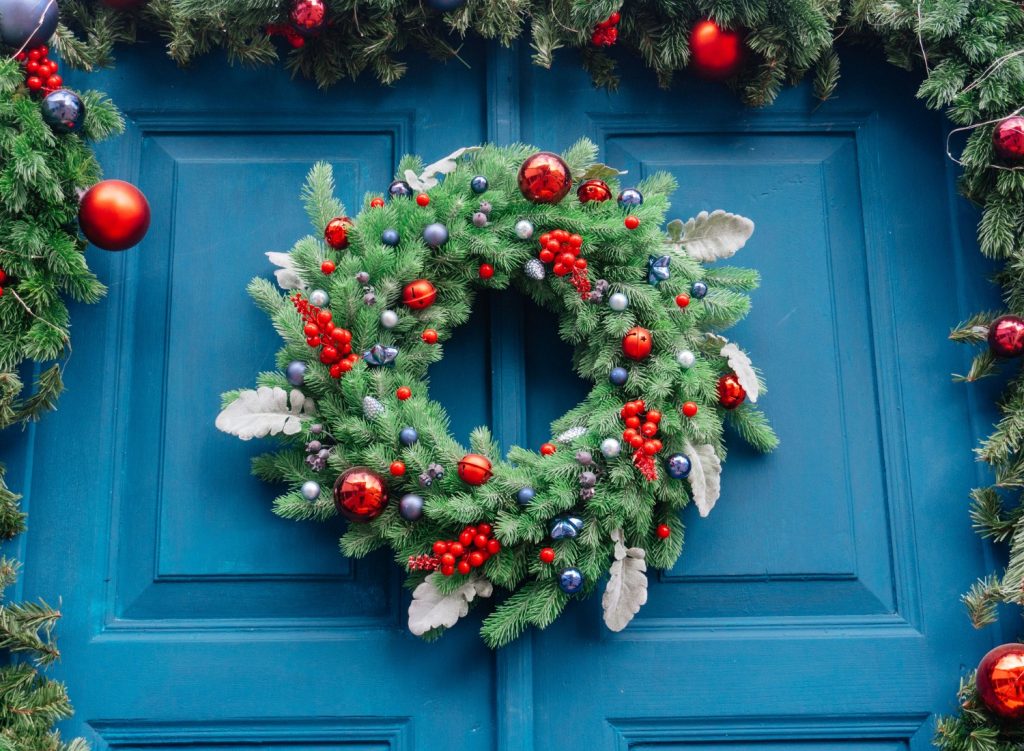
{"x": 817, "y": 604}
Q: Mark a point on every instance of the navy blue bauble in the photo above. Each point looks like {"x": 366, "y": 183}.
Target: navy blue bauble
{"x": 25, "y": 24}
{"x": 63, "y": 111}
{"x": 389, "y": 237}
{"x": 296, "y": 372}
{"x": 698, "y": 290}
{"x": 435, "y": 234}
{"x": 399, "y": 189}
{"x": 525, "y": 495}
{"x": 677, "y": 466}
{"x": 570, "y": 580}
{"x": 630, "y": 197}
{"x": 408, "y": 436}
{"x": 478, "y": 184}
{"x": 410, "y": 507}
{"x": 618, "y": 376}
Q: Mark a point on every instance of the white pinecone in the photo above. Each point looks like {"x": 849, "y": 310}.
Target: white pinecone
{"x": 372, "y": 407}
{"x": 534, "y": 269}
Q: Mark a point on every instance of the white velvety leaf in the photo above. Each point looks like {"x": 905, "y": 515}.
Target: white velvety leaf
{"x": 431, "y": 609}
{"x": 626, "y": 591}
{"x": 705, "y": 476}
{"x": 740, "y": 364}
{"x": 427, "y": 179}
{"x": 570, "y": 435}
{"x": 710, "y": 237}
{"x": 601, "y": 172}
{"x": 287, "y": 276}
{"x": 675, "y": 230}
{"x": 264, "y": 411}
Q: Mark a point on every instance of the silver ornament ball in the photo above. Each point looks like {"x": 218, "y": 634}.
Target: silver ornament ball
{"x": 686, "y": 358}
{"x": 319, "y": 298}
{"x": 389, "y": 319}
{"x": 534, "y": 269}
{"x": 618, "y": 302}
{"x": 410, "y": 507}
{"x": 310, "y": 490}
{"x": 610, "y": 448}
{"x": 524, "y": 229}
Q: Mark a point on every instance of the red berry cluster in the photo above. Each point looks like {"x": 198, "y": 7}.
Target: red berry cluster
{"x": 475, "y": 545}
{"x": 294, "y": 38}
{"x": 641, "y": 433}
{"x": 563, "y": 249}
{"x": 335, "y": 342}
{"x": 40, "y": 71}
{"x": 606, "y": 33}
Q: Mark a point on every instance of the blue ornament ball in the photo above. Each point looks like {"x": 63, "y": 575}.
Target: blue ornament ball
{"x": 63, "y": 111}
{"x": 570, "y": 580}
{"x": 435, "y": 235}
{"x": 410, "y": 507}
{"x": 698, "y": 290}
{"x": 630, "y": 197}
{"x": 296, "y": 372}
{"x": 677, "y": 466}
{"x": 389, "y": 237}
{"x": 618, "y": 376}
{"x": 478, "y": 184}
{"x": 408, "y": 436}
{"x": 27, "y": 23}
{"x": 525, "y": 495}
{"x": 399, "y": 189}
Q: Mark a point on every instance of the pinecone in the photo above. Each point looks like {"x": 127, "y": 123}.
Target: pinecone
{"x": 372, "y": 408}
{"x": 534, "y": 269}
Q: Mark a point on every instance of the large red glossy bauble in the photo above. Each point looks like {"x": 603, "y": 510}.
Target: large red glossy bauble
{"x": 308, "y": 16}
{"x": 336, "y": 232}
{"x": 636, "y": 344}
{"x": 544, "y": 178}
{"x": 360, "y": 494}
{"x": 114, "y": 215}
{"x": 1008, "y": 139}
{"x": 474, "y": 469}
{"x": 593, "y": 190}
{"x": 419, "y": 294}
{"x": 715, "y": 52}
{"x": 1006, "y": 336}
{"x": 730, "y": 393}
{"x": 1001, "y": 681}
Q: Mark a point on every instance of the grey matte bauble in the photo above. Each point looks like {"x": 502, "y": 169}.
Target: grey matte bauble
{"x": 319, "y": 298}
{"x": 435, "y": 234}
{"x": 408, "y": 436}
{"x": 389, "y": 319}
{"x": 610, "y": 448}
{"x": 410, "y": 507}
{"x": 618, "y": 302}
{"x": 524, "y": 229}
{"x": 27, "y": 23}
{"x": 310, "y": 490}
{"x": 686, "y": 358}
{"x": 296, "y": 372}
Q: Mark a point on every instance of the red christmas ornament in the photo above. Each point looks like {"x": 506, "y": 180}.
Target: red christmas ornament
{"x": 547, "y": 555}
{"x": 1001, "y": 681}
{"x": 714, "y": 52}
{"x": 403, "y": 393}
{"x": 327, "y": 267}
{"x": 419, "y": 294}
{"x": 730, "y": 393}
{"x": 593, "y": 190}
{"x": 377, "y": 203}
{"x": 636, "y": 344}
{"x": 423, "y": 199}
{"x": 336, "y": 232}
{"x": 1008, "y": 139}
{"x": 631, "y": 222}
{"x": 689, "y": 409}
{"x": 664, "y": 531}
{"x": 486, "y": 271}
{"x": 360, "y": 494}
{"x": 547, "y": 449}
{"x": 682, "y": 300}
{"x": 308, "y": 16}
{"x": 397, "y": 468}
{"x": 114, "y": 215}
{"x": 1006, "y": 336}
{"x": 474, "y": 469}
{"x": 429, "y": 336}
{"x": 544, "y": 178}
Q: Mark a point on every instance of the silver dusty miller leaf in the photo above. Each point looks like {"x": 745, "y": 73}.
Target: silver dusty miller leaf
{"x": 427, "y": 179}
{"x": 265, "y": 411}
{"x": 431, "y": 609}
{"x": 626, "y": 591}
{"x": 705, "y": 476}
{"x": 287, "y": 276}
{"x": 710, "y": 236}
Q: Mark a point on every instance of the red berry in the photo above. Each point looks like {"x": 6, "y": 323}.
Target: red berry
{"x": 457, "y": 549}
{"x": 547, "y": 555}
{"x": 546, "y": 256}
{"x": 650, "y": 448}
{"x": 3, "y": 276}
{"x": 657, "y": 445}
{"x": 544, "y": 239}
{"x": 581, "y": 263}
{"x": 576, "y": 241}
{"x": 633, "y": 422}
{"x": 345, "y": 366}
{"x": 310, "y": 329}
{"x": 403, "y": 393}
{"x": 447, "y": 570}
{"x": 43, "y": 50}
{"x": 636, "y": 441}
{"x": 327, "y": 267}
{"x": 36, "y": 54}
{"x": 466, "y": 538}
{"x": 447, "y": 559}
{"x": 689, "y": 408}
{"x": 464, "y": 567}
{"x": 336, "y": 370}
{"x": 21, "y": 56}
{"x": 32, "y": 66}
{"x": 342, "y": 336}
{"x": 682, "y": 300}
{"x": 649, "y": 429}
{"x": 629, "y": 410}
{"x": 493, "y": 546}
{"x": 554, "y": 246}
{"x": 567, "y": 259}
{"x": 480, "y": 541}
{"x": 313, "y": 341}
{"x": 547, "y": 449}
{"x": 613, "y": 19}
{"x": 664, "y": 531}
{"x": 561, "y": 235}
{"x": 629, "y": 434}
{"x": 632, "y": 222}
{"x": 476, "y": 559}
{"x": 484, "y": 529}
{"x": 34, "y": 83}
{"x": 1, "y": 291}
{"x": 654, "y": 416}
{"x": 397, "y": 468}
{"x": 486, "y": 271}
{"x": 329, "y": 355}
{"x": 560, "y": 269}
{"x": 440, "y": 547}
{"x": 423, "y": 199}
{"x": 429, "y": 336}
{"x": 377, "y": 203}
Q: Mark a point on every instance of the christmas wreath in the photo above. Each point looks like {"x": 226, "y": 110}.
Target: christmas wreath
{"x": 367, "y": 310}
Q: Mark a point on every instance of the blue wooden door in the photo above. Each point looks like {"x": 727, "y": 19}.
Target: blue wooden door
{"x": 818, "y": 604}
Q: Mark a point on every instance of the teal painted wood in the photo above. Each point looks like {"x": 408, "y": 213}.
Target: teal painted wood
{"x": 819, "y": 602}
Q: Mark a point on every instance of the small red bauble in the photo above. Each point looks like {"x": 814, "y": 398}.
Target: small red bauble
{"x": 54, "y": 82}
{"x": 714, "y": 52}
{"x": 308, "y": 16}
{"x": 690, "y": 408}
{"x": 114, "y": 215}
{"x": 486, "y": 271}
{"x": 34, "y": 83}
{"x": 1001, "y": 681}
{"x": 423, "y": 199}
{"x": 636, "y": 344}
{"x": 547, "y": 449}
{"x": 544, "y": 178}
{"x": 631, "y": 222}
{"x": 403, "y": 393}
{"x": 1008, "y": 139}
{"x": 475, "y": 469}
{"x": 593, "y": 190}
{"x": 360, "y": 494}
{"x": 1006, "y": 336}
{"x": 327, "y": 267}
{"x": 429, "y": 336}
{"x": 682, "y": 300}
{"x": 336, "y": 232}
{"x": 377, "y": 203}
{"x": 730, "y": 393}
{"x": 547, "y": 555}
{"x": 664, "y": 531}
{"x": 397, "y": 468}
{"x": 419, "y": 294}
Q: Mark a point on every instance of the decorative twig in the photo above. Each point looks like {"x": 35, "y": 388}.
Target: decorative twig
{"x": 949, "y": 151}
